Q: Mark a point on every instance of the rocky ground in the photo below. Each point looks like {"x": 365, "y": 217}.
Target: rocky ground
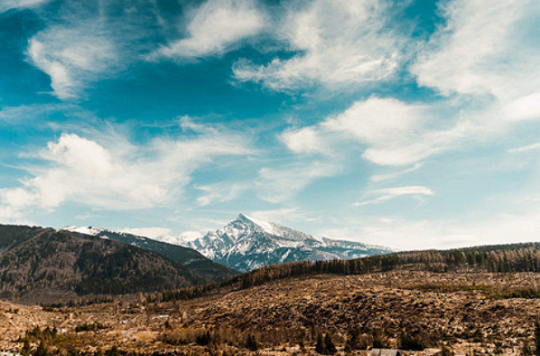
{"x": 468, "y": 312}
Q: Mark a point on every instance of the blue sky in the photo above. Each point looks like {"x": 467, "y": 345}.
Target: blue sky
{"x": 411, "y": 124}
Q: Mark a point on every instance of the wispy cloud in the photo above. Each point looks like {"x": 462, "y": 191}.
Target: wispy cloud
{"x": 391, "y": 193}
{"x": 73, "y": 56}
{"x": 221, "y": 192}
{"x": 17, "y": 115}
{"x": 528, "y": 148}
{"x": 85, "y": 42}
{"x": 486, "y": 49}
{"x": 388, "y": 176}
{"x": 6, "y": 5}
{"x": 339, "y": 44}
{"x": 283, "y": 215}
{"x": 276, "y": 185}
{"x": 387, "y": 131}
{"x": 214, "y": 27}
{"x": 439, "y": 233}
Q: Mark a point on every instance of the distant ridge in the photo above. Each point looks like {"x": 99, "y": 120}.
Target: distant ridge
{"x": 209, "y": 270}
{"x": 45, "y": 265}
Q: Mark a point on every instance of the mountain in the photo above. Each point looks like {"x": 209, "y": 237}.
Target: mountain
{"x": 247, "y": 243}
{"x": 45, "y": 265}
{"x": 210, "y": 270}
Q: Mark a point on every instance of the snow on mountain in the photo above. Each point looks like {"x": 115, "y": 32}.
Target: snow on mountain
{"x": 182, "y": 239}
{"x": 248, "y": 243}
{"x": 87, "y": 230}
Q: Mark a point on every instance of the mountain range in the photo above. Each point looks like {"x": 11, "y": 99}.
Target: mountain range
{"x": 248, "y": 243}
{"x": 244, "y": 244}
{"x": 44, "y": 264}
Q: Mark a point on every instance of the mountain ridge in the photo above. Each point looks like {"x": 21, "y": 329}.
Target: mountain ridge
{"x": 185, "y": 256}
{"x": 47, "y": 265}
{"x": 247, "y": 243}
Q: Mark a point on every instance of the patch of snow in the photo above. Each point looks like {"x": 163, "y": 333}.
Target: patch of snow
{"x": 266, "y": 226}
{"x": 87, "y": 230}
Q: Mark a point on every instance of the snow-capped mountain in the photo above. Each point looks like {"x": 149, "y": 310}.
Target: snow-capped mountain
{"x": 247, "y": 243}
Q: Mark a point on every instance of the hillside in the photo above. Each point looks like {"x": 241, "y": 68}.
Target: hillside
{"x": 524, "y": 257}
{"x": 248, "y": 243}
{"x": 39, "y": 264}
{"x": 212, "y": 271}
{"x": 467, "y": 312}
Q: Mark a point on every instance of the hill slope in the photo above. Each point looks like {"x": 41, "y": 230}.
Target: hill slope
{"x": 185, "y": 256}
{"x": 524, "y": 257}
{"x": 39, "y": 264}
{"x": 247, "y": 243}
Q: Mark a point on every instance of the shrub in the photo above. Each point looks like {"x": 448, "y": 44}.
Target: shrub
{"x": 411, "y": 343}
{"x": 251, "y": 343}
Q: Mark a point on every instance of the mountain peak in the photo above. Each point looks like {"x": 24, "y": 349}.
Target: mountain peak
{"x": 264, "y": 225}
{"x": 247, "y": 243}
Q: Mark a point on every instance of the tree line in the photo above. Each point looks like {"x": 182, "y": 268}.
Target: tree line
{"x": 500, "y": 258}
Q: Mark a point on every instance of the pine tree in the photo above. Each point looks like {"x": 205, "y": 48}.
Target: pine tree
{"x": 42, "y": 349}
{"x": 353, "y": 341}
{"x": 445, "y": 351}
{"x": 320, "y": 345}
{"x": 26, "y": 348}
{"x": 526, "y": 350}
{"x": 251, "y": 343}
{"x": 329, "y": 345}
{"x": 537, "y": 337}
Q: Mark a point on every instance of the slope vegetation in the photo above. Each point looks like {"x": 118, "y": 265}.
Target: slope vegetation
{"x": 38, "y": 264}
{"x": 188, "y": 257}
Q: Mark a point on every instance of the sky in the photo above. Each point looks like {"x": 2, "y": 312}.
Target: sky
{"x": 411, "y": 124}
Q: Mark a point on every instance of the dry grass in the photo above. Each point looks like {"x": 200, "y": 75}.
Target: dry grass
{"x": 457, "y": 309}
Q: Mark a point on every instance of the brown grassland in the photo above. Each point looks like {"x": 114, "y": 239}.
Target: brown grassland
{"x": 463, "y": 312}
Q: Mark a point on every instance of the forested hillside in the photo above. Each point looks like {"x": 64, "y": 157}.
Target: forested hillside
{"x": 39, "y": 264}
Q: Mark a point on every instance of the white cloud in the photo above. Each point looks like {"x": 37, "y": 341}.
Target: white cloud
{"x": 73, "y": 56}
{"x": 485, "y": 48}
{"x": 528, "y": 148}
{"x": 6, "y": 5}
{"x": 221, "y": 192}
{"x": 85, "y": 42}
{"x": 25, "y": 113}
{"x": 339, "y": 43}
{"x": 425, "y": 234}
{"x": 389, "y": 132}
{"x": 277, "y": 185}
{"x": 377, "y": 120}
{"x": 523, "y": 108}
{"x": 391, "y": 193}
{"x": 388, "y": 176}
{"x": 282, "y": 216}
{"x": 214, "y": 27}
{"x": 117, "y": 175}
{"x": 304, "y": 140}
